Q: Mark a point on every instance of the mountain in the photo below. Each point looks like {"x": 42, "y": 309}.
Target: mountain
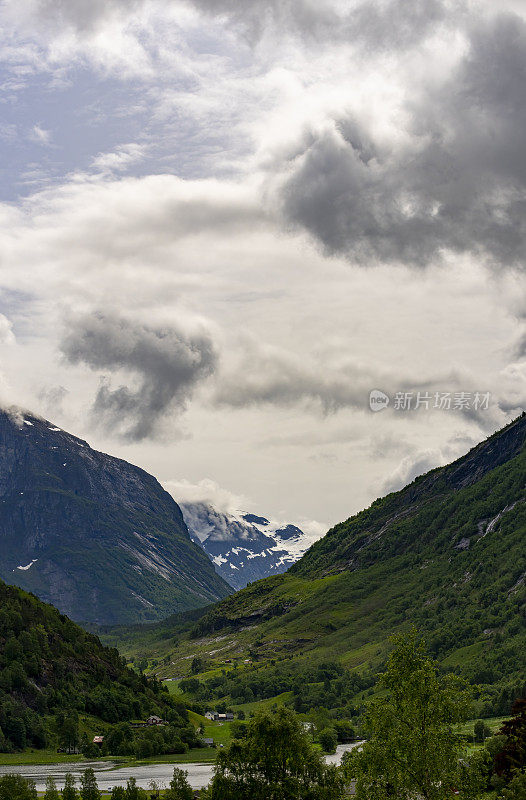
{"x": 244, "y": 547}
{"x": 49, "y": 665}
{"x": 446, "y": 553}
{"x": 95, "y": 536}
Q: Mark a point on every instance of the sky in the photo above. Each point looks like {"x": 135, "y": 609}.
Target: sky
{"x": 223, "y": 225}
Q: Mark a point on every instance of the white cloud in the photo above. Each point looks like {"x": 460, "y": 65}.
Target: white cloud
{"x": 206, "y": 491}
{"x": 171, "y": 214}
{"x": 6, "y": 331}
{"x": 415, "y": 464}
{"x": 119, "y": 159}
{"x": 39, "y": 135}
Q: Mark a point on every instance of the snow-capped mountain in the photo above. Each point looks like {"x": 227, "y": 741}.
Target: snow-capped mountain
{"x": 244, "y": 547}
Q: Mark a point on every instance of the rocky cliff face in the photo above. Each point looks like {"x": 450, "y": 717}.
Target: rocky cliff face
{"x": 244, "y": 547}
{"x": 93, "y": 535}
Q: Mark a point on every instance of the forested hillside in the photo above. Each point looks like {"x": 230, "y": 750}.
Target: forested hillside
{"x": 50, "y": 669}
{"x": 445, "y": 554}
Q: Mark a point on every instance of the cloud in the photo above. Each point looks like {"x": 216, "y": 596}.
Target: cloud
{"x": 520, "y": 347}
{"x": 456, "y": 182}
{"x": 376, "y": 23}
{"x": 381, "y": 22}
{"x": 119, "y": 159}
{"x": 329, "y": 382}
{"x": 415, "y": 464}
{"x": 40, "y": 135}
{"x": 6, "y": 330}
{"x": 274, "y": 376}
{"x": 167, "y": 363}
{"x": 75, "y": 13}
{"x": 208, "y": 492}
{"x": 52, "y": 398}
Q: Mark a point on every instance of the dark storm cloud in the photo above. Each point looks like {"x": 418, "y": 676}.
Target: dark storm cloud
{"x": 167, "y": 363}
{"x": 460, "y": 185}
{"x": 376, "y": 23}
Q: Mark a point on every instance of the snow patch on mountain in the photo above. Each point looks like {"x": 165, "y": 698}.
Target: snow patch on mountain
{"x": 245, "y": 547}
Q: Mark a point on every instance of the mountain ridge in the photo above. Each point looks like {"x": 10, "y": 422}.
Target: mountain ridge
{"x": 446, "y": 554}
{"x": 92, "y": 534}
{"x": 244, "y": 547}
{"x": 455, "y": 475}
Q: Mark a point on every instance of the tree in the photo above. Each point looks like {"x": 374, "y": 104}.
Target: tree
{"x": 51, "y": 792}
{"x": 69, "y": 792}
{"x": 67, "y": 725}
{"x": 328, "y": 739}
{"x": 275, "y": 761}
{"x": 516, "y": 789}
{"x": 179, "y": 788}
{"x": 411, "y": 748}
{"x": 481, "y": 731}
{"x": 197, "y": 665}
{"x": 118, "y": 793}
{"x": 513, "y": 754}
{"x": 155, "y": 790}
{"x": 132, "y": 792}
{"x": 15, "y": 787}
{"x": 89, "y": 789}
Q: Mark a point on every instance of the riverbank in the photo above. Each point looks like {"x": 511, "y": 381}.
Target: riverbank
{"x": 116, "y": 772}
{"x": 204, "y": 755}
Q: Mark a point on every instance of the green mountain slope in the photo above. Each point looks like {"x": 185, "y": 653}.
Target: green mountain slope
{"x": 446, "y": 553}
{"x": 95, "y": 536}
{"x": 49, "y": 665}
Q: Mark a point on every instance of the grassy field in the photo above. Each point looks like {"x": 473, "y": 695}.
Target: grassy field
{"x": 38, "y": 757}
{"x": 493, "y": 723}
{"x": 257, "y": 705}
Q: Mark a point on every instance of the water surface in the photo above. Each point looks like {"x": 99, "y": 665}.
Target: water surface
{"x": 111, "y": 774}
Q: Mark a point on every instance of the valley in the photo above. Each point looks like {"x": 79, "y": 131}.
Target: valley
{"x": 441, "y": 560}
{"x": 403, "y": 561}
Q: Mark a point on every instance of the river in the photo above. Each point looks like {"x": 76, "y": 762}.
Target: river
{"x": 110, "y": 774}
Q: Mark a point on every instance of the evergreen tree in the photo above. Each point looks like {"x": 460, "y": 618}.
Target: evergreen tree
{"x": 89, "y": 789}
{"x": 118, "y": 793}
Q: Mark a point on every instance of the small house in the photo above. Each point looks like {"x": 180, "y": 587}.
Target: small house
{"x": 153, "y": 720}
{"x": 98, "y": 740}
{"x": 208, "y": 742}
